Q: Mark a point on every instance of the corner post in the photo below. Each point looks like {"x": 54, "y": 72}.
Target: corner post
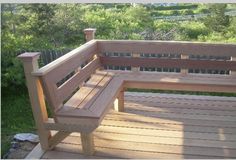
{"x": 184, "y": 70}
{"x": 87, "y": 138}
{"x": 30, "y": 63}
{"x": 89, "y": 34}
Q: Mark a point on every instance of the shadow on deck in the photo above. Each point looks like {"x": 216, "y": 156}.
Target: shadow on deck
{"x": 161, "y": 126}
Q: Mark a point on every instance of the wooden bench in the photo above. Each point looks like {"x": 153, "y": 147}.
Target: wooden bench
{"x": 82, "y": 110}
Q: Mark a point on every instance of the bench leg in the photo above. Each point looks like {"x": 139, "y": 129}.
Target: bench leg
{"x": 119, "y": 102}
{"x": 87, "y": 143}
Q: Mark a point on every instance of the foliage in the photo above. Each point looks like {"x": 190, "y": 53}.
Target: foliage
{"x": 188, "y": 12}
{"x": 217, "y": 20}
{"x": 192, "y": 30}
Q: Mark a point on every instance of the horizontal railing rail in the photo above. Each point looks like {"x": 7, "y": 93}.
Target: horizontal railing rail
{"x": 160, "y": 47}
{"x": 71, "y": 60}
{"x": 168, "y": 56}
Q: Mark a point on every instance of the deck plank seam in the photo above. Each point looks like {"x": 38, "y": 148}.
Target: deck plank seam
{"x": 179, "y": 103}
{"x": 157, "y": 129}
{"x": 216, "y": 109}
{"x": 186, "y": 99}
{"x": 146, "y": 115}
{"x": 128, "y": 109}
{"x": 168, "y": 137}
{"x": 165, "y": 123}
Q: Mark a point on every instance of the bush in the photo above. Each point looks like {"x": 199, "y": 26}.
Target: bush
{"x": 192, "y": 30}
{"x": 188, "y": 12}
{"x": 164, "y": 25}
{"x": 12, "y": 71}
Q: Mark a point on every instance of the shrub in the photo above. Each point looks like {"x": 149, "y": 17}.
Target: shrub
{"x": 191, "y": 30}
{"x": 188, "y": 12}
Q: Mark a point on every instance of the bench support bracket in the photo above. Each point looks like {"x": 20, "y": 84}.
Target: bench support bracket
{"x": 57, "y": 138}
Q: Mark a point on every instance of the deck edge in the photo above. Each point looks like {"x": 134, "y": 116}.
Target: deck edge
{"x": 36, "y": 153}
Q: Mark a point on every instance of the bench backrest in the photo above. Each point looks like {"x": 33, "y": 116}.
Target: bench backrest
{"x": 156, "y": 55}
{"x": 78, "y": 64}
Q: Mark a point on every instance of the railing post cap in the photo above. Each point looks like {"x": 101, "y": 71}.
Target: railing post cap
{"x": 90, "y": 30}
{"x": 29, "y": 56}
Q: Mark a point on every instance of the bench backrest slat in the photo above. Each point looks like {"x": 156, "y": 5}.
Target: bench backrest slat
{"x": 58, "y": 89}
{"x": 69, "y": 86}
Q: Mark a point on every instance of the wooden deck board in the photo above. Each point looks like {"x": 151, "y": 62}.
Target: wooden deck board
{"x": 149, "y": 129}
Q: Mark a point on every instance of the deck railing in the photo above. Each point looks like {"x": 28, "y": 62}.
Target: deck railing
{"x": 143, "y": 56}
{"x": 160, "y": 56}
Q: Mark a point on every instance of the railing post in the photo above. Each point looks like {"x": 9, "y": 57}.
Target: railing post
{"x": 119, "y": 102}
{"x": 89, "y": 34}
{"x": 233, "y": 72}
{"x": 184, "y": 70}
{"x": 30, "y": 63}
{"x": 135, "y": 69}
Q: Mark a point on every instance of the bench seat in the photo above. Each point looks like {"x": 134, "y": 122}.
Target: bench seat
{"x": 178, "y": 81}
{"x": 89, "y": 105}
{"x": 80, "y": 108}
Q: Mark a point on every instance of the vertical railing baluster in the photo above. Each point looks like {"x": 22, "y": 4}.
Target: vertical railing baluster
{"x": 135, "y": 69}
{"x": 233, "y": 72}
{"x": 184, "y": 70}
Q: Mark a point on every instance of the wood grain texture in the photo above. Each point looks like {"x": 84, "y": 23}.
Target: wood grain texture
{"x": 132, "y": 134}
{"x": 118, "y": 153}
{"x": 64, "y": 91}
{"x": 82, "y": 103}
{"x": 36, "y": 97}
{"x": 57, "y": 138}
{"x": 36, "y": 153}
{"x": 69, "y": 61}
{"x": 159, "y": 47}
{"x": 87, "y": 143}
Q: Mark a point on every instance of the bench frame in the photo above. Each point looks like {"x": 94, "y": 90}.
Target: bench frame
{"x": 33, "y": 76}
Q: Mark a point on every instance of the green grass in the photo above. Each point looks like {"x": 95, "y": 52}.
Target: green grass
{"x": 16, "y": 116}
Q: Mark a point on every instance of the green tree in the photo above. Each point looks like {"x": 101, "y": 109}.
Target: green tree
{"x": 217, "y": 20}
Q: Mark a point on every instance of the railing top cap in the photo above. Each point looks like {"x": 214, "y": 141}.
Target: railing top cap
{"x": 29, "y": 55}
{"x": 160, "y": 41}
{"x": 90, "y": 29}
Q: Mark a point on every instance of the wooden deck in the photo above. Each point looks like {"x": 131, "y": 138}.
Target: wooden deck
{"x": 161, "y": 126}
